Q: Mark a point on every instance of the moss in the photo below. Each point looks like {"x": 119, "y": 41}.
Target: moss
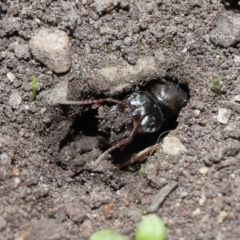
{"x": 217, "y": 85}
{"x": 108, "y": 48}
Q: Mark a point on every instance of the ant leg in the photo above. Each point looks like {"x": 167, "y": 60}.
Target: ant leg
{"x": 122, "y": 143}
{"x": 139, "y": 156}
{"x": 85, "y": 102}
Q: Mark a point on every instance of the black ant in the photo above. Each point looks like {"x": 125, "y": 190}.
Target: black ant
{"x": 147, "y": 109}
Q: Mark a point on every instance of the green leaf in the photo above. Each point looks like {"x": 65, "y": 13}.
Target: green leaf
{"x": 107, "y": 234}
{"x": 80, "y": 73}
{"x": 34, "y": 87}
{"x": 151, "y": 228}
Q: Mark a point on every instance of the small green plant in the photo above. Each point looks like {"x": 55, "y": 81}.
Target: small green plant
{"x": 142, "y": 208}
{"x": 107, "y": 234}
{"x": 88, "y": 154}
{"x": 107, "y": 48}
{"x": 170, "y": 41}
{"x": 34, "y": 87}
{"x": 142, "y": 170}
{"x": 222, "y": 56}
{"x": 217, "y": 85}
{"x": 151, "y": 228}
{"x": 138, "y": 42}
{"x": 80, "y": 73}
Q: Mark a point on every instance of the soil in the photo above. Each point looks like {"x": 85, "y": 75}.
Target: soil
{"x": 50, "y": 184}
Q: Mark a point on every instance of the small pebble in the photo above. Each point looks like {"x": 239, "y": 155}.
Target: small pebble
{"x": 15, "y": 171}
{"x": 172, "y": 146}
{"x": 196, "y": 212}
{"x": 58, "y": 93}
{"x": 15, "y": 100}
{"x": 223, "y": 115}
{"x": 17, "y": 181}
{"x": 203, "y": 170}
{"x": 222, "y": 216}
{"x": 51, "y": 47}
{"x": 10, "y": 76}
{"x": 202, "y": 201}
{"x": 105, "y": 6}
{"x": 197, "y": 112}
{"x": 237, "y": 99}
{"x": 237, "y": 61}
{"x": 183, "y": 194}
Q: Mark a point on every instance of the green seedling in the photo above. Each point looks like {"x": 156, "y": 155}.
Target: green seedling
{"x": 142, "y": 208}
{"x": 138, "y": 42}
{"x": 142, "y": 170}
{"x": 88, "y": 154}
{"x": 34, "y": 87}
{"x": 170, "y": 41}
{"x": 217, "y": 85}
{"x": 151, "y": 228}
{"x": 107, "y": 234}
{"x": 221, "y": 56}
{"x": 108, "y": 48}
{"x": 80, "y": 73}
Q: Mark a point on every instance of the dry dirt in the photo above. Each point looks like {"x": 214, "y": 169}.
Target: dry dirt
{"x": 49, "y": 188}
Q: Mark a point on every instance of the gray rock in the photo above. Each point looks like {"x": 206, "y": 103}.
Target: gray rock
{"x": 227, "y": 31}
{"x": 105, "y": 6}
{"x": 5, "y": 159}
{"x": 173, "y": 146}
{"x": 57, "y": 94}
{"x": 117, "y": 78}
{"x": 22, "y": 51}
{"x": 10, "y": 76}
{"x": 15, "y": 100}
{"x": 76, "y": 212}
{"x": 107, "y": 31}
{"x": 223, "y": 115}
{"x": 51, "y": 47}
{"x": 237, "y": 61}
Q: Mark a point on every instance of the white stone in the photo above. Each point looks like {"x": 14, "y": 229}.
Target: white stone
{"x": 197, "y": 112}
{"x": 10, "y": 76}
{"x": 196, "y": 212}
{"x": 172, "y": 146}
{"x": 202, "y": 201}
{"x": 17, "y": 181}
{"x": 237, "y": 99}
{"x": 51, "y": 47}
{"x": 120, "y": 77}
{"x": 222, "y": 216}
{"x": 237, "y": 61}
{"x": 203, "y": 170}
{"x": 223, "y": 115}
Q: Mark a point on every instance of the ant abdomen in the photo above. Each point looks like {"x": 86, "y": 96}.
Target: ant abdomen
{"x": 170, "y": 96}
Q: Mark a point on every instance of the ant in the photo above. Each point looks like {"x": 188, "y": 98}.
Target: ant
{"x": 148, "y": 110}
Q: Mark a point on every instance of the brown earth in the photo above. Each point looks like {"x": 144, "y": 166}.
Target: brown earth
{"x": 48, "y": 186}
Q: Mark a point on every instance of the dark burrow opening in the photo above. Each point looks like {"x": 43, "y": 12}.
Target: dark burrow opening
{"x": 87, "y": 124}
